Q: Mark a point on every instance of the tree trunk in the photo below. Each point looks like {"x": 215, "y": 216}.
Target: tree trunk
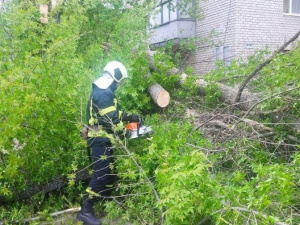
{"x": 228, "y": 94}
{"x": 159, "y": 95}
{"x": 52, "y": 185}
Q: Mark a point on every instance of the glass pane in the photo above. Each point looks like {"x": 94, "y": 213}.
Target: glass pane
{"x": 173, "y": 11}
{"x": 219, "y": 53}
{"x": 286, "y": 6}
{"x": 151, "y": 20}
{"x": 166, "y": 13}
{"x": 227, "y": 55}
{"x": 296, "y": 6}
{"x": 156, "y": 17}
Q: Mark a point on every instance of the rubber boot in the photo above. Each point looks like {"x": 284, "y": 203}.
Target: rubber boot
{"x": 86, "y": 214}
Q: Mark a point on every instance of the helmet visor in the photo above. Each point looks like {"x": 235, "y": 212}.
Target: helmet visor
{"x": 118, "y": 75}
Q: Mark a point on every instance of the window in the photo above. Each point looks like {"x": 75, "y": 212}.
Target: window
{"x": 223, "y": 54}
{"x": 291, "y": 6}
{"x": 165, "y": 12}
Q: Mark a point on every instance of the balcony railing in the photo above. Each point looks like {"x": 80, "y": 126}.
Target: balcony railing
{"x": 168, "y": 22}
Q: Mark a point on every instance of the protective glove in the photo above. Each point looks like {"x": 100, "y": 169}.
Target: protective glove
{"x": 131, "y": 117}
{"x": 134, "y": 118}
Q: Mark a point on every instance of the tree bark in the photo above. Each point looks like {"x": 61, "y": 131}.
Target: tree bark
{"x": 52, "y": 185}
{"x": 159, "y": 95}
{"x": 228, "y": 94}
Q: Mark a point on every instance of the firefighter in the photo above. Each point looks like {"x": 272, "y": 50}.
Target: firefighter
{"x": 104, "y": 119}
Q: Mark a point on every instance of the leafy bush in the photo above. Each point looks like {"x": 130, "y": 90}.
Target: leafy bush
{"x": 174, "y": 177}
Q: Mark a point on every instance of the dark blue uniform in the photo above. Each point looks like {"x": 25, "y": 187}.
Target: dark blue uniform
{"x": 102, "y": 113}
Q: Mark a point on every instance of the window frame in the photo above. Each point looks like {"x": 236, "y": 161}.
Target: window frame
{"x": 290, "y": 8}
{"x": 165, "y": 3}
{"x": 171, "y": 16}
{"x": 223, "y": 54}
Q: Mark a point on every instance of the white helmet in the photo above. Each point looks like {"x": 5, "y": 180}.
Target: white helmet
{"x": 114, "y": 70}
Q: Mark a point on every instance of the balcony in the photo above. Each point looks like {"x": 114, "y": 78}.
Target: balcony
{"x": 168, "y": 22}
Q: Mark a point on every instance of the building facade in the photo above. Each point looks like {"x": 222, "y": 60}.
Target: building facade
{"x": 237, "y": 28}
{"x": 242, "y": 27}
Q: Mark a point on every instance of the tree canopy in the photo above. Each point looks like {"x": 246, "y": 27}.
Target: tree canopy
{"x": 225, "y": 172}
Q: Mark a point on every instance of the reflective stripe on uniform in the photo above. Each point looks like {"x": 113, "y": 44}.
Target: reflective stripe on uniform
{"x": 99, "y": 132}
{"x": 109, "y": 109}
{"x": 92, "y": 120}
{"x": 92, "y": 193}
{"x": 120, "y": 115}
{"x": 101, "y": 112}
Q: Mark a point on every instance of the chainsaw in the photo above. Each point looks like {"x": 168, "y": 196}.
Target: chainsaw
{"x": 136, "y": 130}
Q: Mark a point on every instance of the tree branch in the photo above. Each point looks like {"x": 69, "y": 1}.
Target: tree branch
{"x": 148, "y": 180}
{"x": 274, "y": 95}
{"x": 59, "y": 213}
{"x": 262, "y": 65}
{"x": 240, "y": 209}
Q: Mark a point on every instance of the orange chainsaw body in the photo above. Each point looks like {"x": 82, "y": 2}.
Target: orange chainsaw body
{"x": 136, "y": 129}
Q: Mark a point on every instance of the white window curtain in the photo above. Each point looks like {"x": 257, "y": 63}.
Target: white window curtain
{"x": 296, "y": 6}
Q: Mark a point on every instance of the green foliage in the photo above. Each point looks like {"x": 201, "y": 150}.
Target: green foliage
{"x": 278, "y": 82}
{"x": 163, "y": 64}
{"x": 213, "y": 94}
{"x": 225, "y": 188}
{"x": 165, "y": 159}
{"x": 34, "y": 117}
{"x": 133, "y": 95}
{"x": 46, "y": 75}
{"x": 179, "y": 52}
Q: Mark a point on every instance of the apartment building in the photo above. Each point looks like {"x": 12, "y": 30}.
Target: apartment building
{"x": 240, "y": 26}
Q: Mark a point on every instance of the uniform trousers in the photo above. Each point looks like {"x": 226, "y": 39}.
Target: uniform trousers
{"x": 102, "y": 160}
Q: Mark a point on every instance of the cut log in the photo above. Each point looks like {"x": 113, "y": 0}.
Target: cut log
{"x": 159, "y": 95}
{"x": 44, "y": 13}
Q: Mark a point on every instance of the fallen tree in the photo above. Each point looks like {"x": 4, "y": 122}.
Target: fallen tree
{"x": 228, "y": 93}
{"x": 52, "y": 185}
{"x": 161, "y": 97}
{"x": 238, "y": 97}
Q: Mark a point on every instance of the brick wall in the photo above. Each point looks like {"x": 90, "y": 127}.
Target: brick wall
{"x": 244, "y": 26}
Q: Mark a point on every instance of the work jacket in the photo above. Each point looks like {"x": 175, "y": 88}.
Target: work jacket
{"x": 103, "y": 113}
